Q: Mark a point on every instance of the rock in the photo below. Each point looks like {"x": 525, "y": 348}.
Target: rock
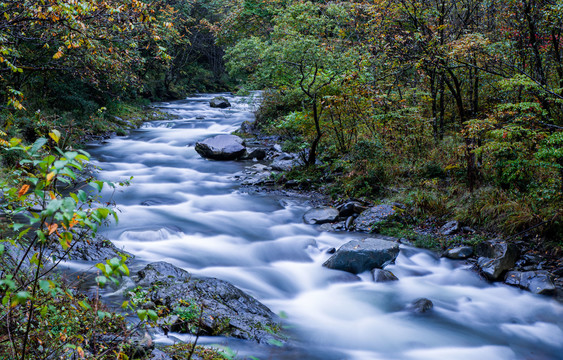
{"x": 221, "y": 147}
{"x": 495, "y": 258}
{"x": 421, "y": 306}
{"x": 459, "y": 253}
{"x": 159, "y": 355}
{"x": 450, "y": 228}
{"x": 200, "y": 117}
{"x": 219, "y": 102}
{"x": 538, "y": 282}
{"x": 331, "y": 251}
{"x": 350, "y": 223}
{"x": 90, "y": 249}
{"x": 370, "y": 218}
{"x": 258, "y": 154}
{"x": 348, "y": 208}
{"x": 226, "y": 310}
{"x": 380, "y": 275}
{"x": 320, "y": 215}
{"x": 283, "y": 165}
{"x": 247, "y": 127}
{"x": 358, "y": 256}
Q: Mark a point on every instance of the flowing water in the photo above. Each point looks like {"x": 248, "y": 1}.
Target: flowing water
{"x": 188, "y": 211}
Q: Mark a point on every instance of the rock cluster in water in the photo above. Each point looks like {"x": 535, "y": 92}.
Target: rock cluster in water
{"x": 358, "y": 256}
{"x": 219, "y": 102}
{"x": 213, "y": 306}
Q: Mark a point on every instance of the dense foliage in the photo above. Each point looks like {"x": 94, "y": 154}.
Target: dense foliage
{"x": 454, "y": 106}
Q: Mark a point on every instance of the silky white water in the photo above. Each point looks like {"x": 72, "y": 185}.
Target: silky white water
{"x": 188, "y": 211}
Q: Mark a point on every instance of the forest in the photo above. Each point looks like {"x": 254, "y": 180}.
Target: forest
{"x": 452, "y": 107}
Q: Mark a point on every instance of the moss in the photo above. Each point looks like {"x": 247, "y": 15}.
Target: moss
{"x": 183, "y": 351}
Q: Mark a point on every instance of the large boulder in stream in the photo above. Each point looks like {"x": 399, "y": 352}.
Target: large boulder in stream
{"x": 221, "y": 147}
{"x": 495, "y": 258}
{"x": 358, "y": 256}
{"x": 207, "y": 306}
{"x": 219, "y": 102}
{"x": 538, "y": 282}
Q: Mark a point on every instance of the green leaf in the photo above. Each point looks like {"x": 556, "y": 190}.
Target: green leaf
{"x": 101, "y": 281}
{"x": 275, "y": 342}
{"x": 44, "y": 285}
{"x": 38, "y": 144}
{"x": 84, "y": 305}
{"x": 152, "y": 315}
{"x": 142, "y": 314}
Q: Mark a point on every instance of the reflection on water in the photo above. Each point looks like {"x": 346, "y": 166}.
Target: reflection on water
{"x": 186, "y": 210}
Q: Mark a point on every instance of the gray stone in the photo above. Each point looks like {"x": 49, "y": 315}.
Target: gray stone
{"x": 538, "y": 282}
{"x": 219, "y": 102}
{"x": 450, "y": 228}
{"x": 421, "y": 306}
{"x": 320, "y": 215}
{"x": 221, "y": 147}
{"x": 348, "y": 208}
{"x": 358, "y": 256}
{"x": 283, "y": 165}
{"x": 459, "y": 253}
{"x": 370, "y": 218}
{"x": 159, "y": 355}
{"x": 350, "y": 223}
{"x": 227, "y": 311}
{"x": 258, "y": 154}
{"x": 380, "y": 275}
{"x": 247, "y": 127}
{"x": 496, "y": 257}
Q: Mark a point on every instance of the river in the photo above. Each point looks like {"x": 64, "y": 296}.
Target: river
{"x": 189, "y": 211}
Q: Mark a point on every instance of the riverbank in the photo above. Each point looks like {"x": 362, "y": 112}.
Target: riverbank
{"x": 534, "y": 264}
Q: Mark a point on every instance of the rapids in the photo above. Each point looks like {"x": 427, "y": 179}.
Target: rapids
{"x": 188, "y": 211}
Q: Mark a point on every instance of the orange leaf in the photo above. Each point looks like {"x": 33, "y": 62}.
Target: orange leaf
{"x": 23, "y": 190}
{"x": 52, "y": 228}
{"x": 50, "y": 176}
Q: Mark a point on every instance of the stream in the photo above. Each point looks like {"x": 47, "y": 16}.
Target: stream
{"x": 188, "y": 211}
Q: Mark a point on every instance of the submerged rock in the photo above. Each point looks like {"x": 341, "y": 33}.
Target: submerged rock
{"x": 219, "y": 102}
{"x": 321, "y": 215}
{"x": 496, "y": 257}
{"x": 358, "y": 256}
{"x": 538, "y": 282}
{"x": 370, "y": 218}
{"x": 208, "y": 305}
{"x": 221, "y": 147}
{"x": 380, "y": 275}
{"x": 421, "y": 306}
{"x": 459, "y": 253}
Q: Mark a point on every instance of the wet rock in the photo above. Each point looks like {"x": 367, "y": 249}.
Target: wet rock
{"x": 219, "y": 102}
{"x": 358, "y": 256}
{"x": 349, "y": 208}
{"x": 320, "y": 215}
{"x": 380, "y": 275}
{"x": 200, "y": 117}
{"x": 159, "y": 355}
{"x": 258, "y": 154}
{"x": 350, "y": 223}
{"x": 459, "y": 253}
{"x": 421, "y": 306}
{"x": 538, "y": 282}
{"x": 331, "y": 251}
{"x": 87, "y": 249}
{"x": 227, "y": 311}
{"x": 496, "y": 257}
{"x": 370, "y": 218}
{"x": 221, "y": 147}
{"x": 450, "y": 228}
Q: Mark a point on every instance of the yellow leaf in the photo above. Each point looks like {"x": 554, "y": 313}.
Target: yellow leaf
{"x": 58, "y": 55}
{"x": 50, "y": 176}
{"x": 55, "y": 135}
